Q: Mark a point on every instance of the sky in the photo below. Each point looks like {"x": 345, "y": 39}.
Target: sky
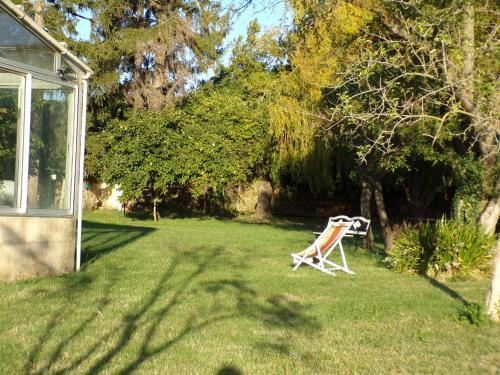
{"x": 269, "y": 16}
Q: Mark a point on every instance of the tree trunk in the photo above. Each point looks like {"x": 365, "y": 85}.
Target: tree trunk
{"x": 205, "y": 199}
{"x": 263, "y": 207}
{"x": 382, "y": 214}
{"x": 493, "y": 299}
{"x": 486, "y": 128}
{"x": 468, "y": 47}
{"x": 155, "y": 212}
{"x": 38, "y": 9}
{"x": 484, "y": 121}
{"x": 365, "y": 208}
{"x": 489, "y": 217}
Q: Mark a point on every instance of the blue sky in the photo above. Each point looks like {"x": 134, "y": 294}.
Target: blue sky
{"x": 269, "y": 16}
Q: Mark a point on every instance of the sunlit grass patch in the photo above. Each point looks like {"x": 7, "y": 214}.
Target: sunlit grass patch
{"x": 194, "y": 296}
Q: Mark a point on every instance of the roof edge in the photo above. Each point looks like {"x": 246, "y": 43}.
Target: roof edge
{"x": 45, "y": 36}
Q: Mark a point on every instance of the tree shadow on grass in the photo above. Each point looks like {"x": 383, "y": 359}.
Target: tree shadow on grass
{"x": 99, "y": 239}
{"x": 229, "y": 370}
{"x": 295, "y": 223}
{"x": 73, "y": 287}
{"x": 380, "y": 255}
{"x": 468, "y": 311}
{"x": 292, "y": 223}
{"x": 181, "y": 304}
{"x": 145, "y": 214}
{"x": 446, "y": 289}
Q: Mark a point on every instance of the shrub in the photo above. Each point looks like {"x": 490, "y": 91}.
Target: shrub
{"x": 460, "y": 249}
{"x": 407, "y": 252}
{"x": 467, "y": 203}
{"x": 446, "y": 248}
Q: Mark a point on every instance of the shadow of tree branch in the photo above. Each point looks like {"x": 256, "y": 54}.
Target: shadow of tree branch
{"x": 446, "y": 289}
{"x": 139, "y": 328}
{"x": 99, "y": 239}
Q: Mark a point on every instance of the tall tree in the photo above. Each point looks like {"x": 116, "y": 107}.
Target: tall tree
{"x": 145, "y": 55}
{"x": 58, "y": 17}
{"x": 152, "y": 49}
{"x": 315, "y": 46}
{"x": 431, "y": 66}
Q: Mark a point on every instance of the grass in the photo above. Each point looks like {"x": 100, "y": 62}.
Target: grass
{"x": 192, "y": 296}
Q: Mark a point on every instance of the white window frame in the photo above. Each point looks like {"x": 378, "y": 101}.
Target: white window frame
{"x": 22, "y": 165}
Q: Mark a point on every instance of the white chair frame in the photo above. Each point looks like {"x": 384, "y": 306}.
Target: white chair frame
{"x": 321, "y": 258}
{"x": 355, "y": 224}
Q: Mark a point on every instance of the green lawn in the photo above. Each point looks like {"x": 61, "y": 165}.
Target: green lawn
{"x": 191, "y": 296}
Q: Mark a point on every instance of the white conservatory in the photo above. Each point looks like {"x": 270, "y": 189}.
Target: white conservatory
{"x": 43, "y": 89}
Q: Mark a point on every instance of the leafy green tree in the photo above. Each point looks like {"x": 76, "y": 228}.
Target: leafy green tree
{"x": 427, "y": 68}
{"x": 315, "y": 47}
{"x": 226, "y": 138}
{"x": 416, "y": 71}
{"x": 218, "y": 138}
{"x": 141, "y": 154}
{"x": 255, "y": 65}
{"x": 144, "y": 55}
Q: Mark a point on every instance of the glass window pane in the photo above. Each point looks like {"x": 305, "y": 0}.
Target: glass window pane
{"x": 18, "y": 44}
{"x": 68, "y": 69}
{"x": 11, "y": 93}
{"x": 49, "y": 184}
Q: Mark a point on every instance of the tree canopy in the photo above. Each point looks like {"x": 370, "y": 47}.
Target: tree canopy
{"x": 356, "y": 100}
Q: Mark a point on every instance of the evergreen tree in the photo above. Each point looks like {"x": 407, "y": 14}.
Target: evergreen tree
{"x": 58, "y": 17}
{"x": 151, "y": 50}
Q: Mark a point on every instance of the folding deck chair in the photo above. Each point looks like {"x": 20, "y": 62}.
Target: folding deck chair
{"x": 316, "y": 255}
{"x": 360, "y": 225}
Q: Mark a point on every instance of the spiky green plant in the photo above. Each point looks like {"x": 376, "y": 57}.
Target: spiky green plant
{"x": 446, "y": 248}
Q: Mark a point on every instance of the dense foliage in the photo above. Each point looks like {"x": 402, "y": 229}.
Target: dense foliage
{"x": 214, "y": 138}
{"x": 217, "y": 138}
{"x": 445, "y": 248}
{"x": 355, "y": 100}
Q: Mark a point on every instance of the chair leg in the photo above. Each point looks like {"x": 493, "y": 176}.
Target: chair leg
{"x": 320, "y": 266}
{"x": 302, "y": 260}
{"x": 344, "y": 261}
